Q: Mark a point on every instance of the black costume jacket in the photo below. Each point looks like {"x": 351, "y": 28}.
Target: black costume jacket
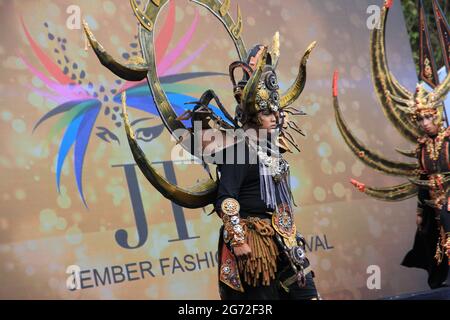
{"x": 433, "y": 202}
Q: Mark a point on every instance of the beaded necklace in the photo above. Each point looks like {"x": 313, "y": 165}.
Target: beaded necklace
{"x": 434, "y": 146}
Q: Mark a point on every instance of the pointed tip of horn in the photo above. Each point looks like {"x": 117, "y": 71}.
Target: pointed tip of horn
{"x": 312, "y": 45}
{"x": 275, "y": 48}
{"x": 297, "y": 87}
{"x": 309, "y": 50}
{"x": 276, "y": 40}
{"x": 86, "y": 27}
{"x": 262, "y": 61}
{"x": 335, "y": 83}
{"x": 360, "y": 186}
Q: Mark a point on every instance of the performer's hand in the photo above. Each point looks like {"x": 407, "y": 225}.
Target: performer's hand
{"x": 242, "y": 251}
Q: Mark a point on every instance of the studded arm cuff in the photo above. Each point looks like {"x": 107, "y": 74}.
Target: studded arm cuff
{"x": 234, "y": 228}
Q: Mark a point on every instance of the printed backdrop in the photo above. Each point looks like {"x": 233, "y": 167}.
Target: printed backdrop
{"x": 74, "y": 206}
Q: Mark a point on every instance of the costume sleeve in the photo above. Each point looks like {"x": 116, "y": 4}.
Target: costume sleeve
{"x": 422, "y": 194}
{"x": 232, "y": 176}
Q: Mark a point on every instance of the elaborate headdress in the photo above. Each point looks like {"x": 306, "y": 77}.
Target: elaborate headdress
{"x": 259, "y": 90}
{"x": 420, "y": 103}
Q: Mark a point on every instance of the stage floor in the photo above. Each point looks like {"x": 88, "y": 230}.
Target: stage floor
{"x": 436, "y": 294}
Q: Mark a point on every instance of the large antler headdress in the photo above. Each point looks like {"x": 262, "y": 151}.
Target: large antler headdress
{"x": 253, "y": 94}
{"x": 421, "y": 103}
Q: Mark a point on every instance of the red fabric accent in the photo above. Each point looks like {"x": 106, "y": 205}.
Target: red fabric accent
{"x": 228, "y": 270}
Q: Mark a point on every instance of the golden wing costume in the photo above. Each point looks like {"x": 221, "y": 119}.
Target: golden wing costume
{"x": 429, "y": 176}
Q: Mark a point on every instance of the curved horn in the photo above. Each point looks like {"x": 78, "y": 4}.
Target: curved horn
{"x": 370, "y": 158}
{"x": 206, "y": 192}
{"x": 297, "y": 87}
{"x": 378, "y": 44}
{"x": 195, "y": 197}
{"x": 384, "y": 81}
{"x": 221, "y": 12}
{"x": 166, "y": 111}
{"x": 407, "y": 153}
{"x": 237, "y": 29}
{"x": 130, "y": 72}
{"x": 401, "y": 101}
{"x": 251, "y": 88}
{"x": 275, "y": 49}
{"x": 395, "y": 193}
{"x": 225, "y": 7}
{"x": 440, "y": 91}
{"x": 429, "y": 183}
{"x": 145, "y": 21}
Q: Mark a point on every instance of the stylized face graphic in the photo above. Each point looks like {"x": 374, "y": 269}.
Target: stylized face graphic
{"x": 145, "y": 133}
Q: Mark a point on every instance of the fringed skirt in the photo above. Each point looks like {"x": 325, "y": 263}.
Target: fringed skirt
{"x": 261, "y": 267}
